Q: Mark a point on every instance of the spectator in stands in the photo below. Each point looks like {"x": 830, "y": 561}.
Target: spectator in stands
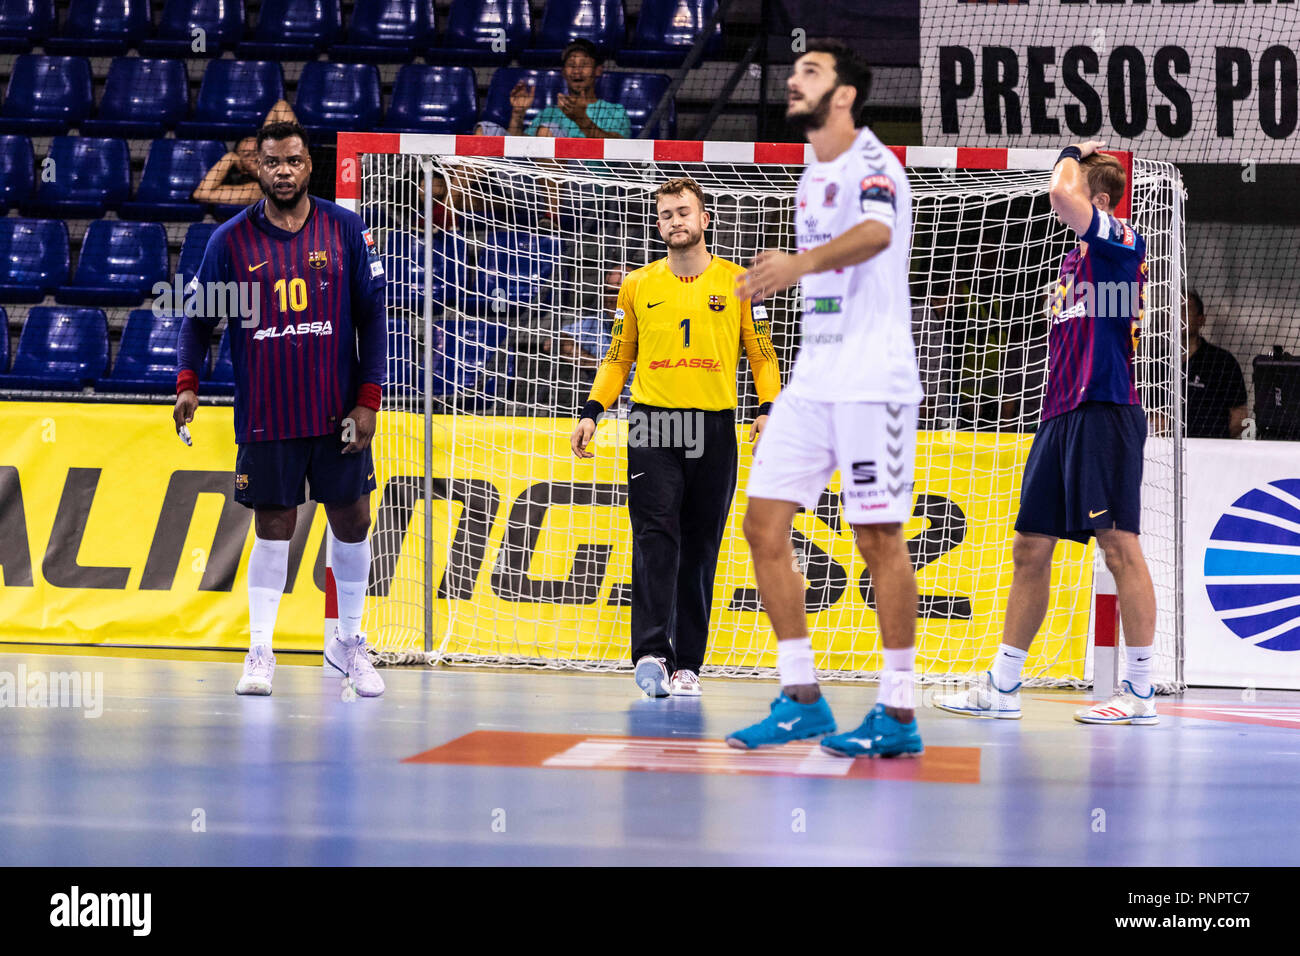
{"x": 1215, "y": 388}
{"x": 233, "y": 180}
{"x": 582, "y": 344}
{"x": 579, "y": 113}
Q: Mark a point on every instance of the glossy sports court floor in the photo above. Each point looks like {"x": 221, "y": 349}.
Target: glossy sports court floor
{"x": 476, "y": 767}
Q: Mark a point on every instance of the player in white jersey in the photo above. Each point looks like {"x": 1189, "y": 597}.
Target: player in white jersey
{"x": 851, "y": 404}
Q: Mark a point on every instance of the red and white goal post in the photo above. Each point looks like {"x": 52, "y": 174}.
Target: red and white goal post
{"x": 493, "y": 545}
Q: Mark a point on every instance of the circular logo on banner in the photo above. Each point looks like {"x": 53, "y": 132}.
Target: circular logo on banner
{"x": 1252, "y": 566}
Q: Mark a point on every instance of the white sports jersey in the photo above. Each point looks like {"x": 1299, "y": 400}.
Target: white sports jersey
{"x": 856, "y": 344}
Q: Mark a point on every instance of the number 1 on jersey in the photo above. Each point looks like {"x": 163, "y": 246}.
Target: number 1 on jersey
{"x": 685, "y": 326}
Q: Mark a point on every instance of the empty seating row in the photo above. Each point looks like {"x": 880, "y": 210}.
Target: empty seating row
{"x": 83, "y": 177}
{"x": 144, "y": 98}
{"x": 478, "y": 32}
{"x": 121, "y": 262}
{"x": 62, "y": 348}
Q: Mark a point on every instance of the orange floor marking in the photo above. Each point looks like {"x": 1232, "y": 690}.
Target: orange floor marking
{"x": 497, "y": 748}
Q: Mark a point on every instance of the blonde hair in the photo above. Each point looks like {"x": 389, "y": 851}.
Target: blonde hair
{"x": 675, "y": 187}
{"x": 1105, "y": 175}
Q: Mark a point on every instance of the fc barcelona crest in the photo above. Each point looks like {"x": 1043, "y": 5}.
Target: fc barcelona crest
{"x": 241, "y": 482}
{"x": 717, "y": 302}
{"x": 318, "y": 259}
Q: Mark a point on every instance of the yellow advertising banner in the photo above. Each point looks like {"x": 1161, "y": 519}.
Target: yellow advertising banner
{"x": 112, "y": 531}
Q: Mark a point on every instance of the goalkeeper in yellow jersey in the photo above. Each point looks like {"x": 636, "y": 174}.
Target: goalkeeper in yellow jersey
{"x": 679, "y": 319}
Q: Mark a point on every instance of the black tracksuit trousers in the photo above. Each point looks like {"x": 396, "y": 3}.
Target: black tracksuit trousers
{"x": 681, "y": 471}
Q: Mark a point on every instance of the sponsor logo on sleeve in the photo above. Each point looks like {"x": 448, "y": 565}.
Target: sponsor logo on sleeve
{"x": 376, "y": 269}
{"x": 877, "y": 189}
{"x": 760, "y": 313}
{"x": 370, "y": 239}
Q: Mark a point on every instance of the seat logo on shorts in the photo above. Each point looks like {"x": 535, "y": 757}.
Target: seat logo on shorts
{"x": 864, "y": 472}
{"x": 241, "y": 482}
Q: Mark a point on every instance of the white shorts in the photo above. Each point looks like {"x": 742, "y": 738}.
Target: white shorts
{"x": 871, "y": 443}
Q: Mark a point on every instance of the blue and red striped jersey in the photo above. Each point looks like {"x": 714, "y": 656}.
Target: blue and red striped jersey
{"x": 1097, "y": 308}
{"x": 316, "y": 341}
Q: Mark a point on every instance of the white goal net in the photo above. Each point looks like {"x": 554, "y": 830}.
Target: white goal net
{"x": 493, "y": 545}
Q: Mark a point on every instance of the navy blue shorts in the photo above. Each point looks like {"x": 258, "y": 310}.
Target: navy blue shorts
{"x": 273, "y": 474}
{"x": 1084, "y": 472}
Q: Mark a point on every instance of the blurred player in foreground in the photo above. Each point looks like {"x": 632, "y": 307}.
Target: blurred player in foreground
{"x": 1083, "y": 476}
{"x": 680, "y": 321}
{"x": 851, "y": 404}
{"x": 308, "y": 365}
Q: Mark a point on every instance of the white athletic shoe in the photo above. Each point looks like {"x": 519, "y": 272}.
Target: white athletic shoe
{"x": 983, "y": 700}
{"x": 353, "y": 661}
{"x": 652, "y": 676}
{"x": 685, "y": 684}
{"x": 259, "y": 665}
{"x": 1126, "y": 707}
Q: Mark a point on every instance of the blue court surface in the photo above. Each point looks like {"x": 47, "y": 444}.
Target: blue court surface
{"x": 523, "y": 767}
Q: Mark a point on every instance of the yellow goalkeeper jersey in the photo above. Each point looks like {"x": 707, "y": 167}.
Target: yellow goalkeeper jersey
{"x": 685, "y": 336}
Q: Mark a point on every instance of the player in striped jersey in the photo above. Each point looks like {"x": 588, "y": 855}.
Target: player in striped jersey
{"x": 309, "y": 365}
{"x": 680, "y": 320}
{"x": 1083, "y": 476}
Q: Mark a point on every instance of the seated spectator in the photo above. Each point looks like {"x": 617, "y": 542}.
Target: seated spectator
{"x": 233, "y": 180}
{"x": 584, "y": 343}
{"x": 1215, "y": 388}
{"x": 579, "y": 113}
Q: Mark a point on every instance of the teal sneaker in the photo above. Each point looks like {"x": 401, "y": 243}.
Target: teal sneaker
{"x": 789, "y": 720}
{"x": 879, "y": 736}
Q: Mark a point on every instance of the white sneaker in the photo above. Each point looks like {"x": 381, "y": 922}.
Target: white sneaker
{"x": 352, "y": 660}
{"x": 1126, "y": 707}
{"x": 652, "y": 676}
{"x": 259, "y": 665}
{"x": 685, "y": 684}
{"x": 985, "y": 699}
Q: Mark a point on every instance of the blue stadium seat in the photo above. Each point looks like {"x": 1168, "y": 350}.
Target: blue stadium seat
{"x": 47, "y": 95}
{"x": 221, "y": 380}
{"x": 171, "y": 172}
{"x": 222, "y": 23}
{"x": 548, "y": 85}
{"x": 666, "y": 30}
{"x": 402, "y": 253}
{"x": 388, "y": 31}
{"x": 638, "y": 93}
{"x": 472, "y": 28}
{"x": 102, "y": 27}
{"x": 471, "y": 361}
{"x": 146, "y": 357}
{"x": 233, "y": 100}
{"x": 192, "y": 249}
{"x": 119, "y": 265}
{"x": 142, "y": 99}
{"x": 293, "y": 30}
{"x": 513, "y": 269}
{"x": 433, "y": 99}
{"x": 4, "y": 341}
{"x": 89, "y": 177}
{"x": 600, "y": 21}
{"x": 59, "y": 349}
{"x": 338, "y": 96}
{"x": 17, "y": 171}
{"x": 25, "y": 24}
{"x": 33, "y": 258}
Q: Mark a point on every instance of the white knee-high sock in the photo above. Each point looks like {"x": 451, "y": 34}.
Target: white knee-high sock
{"x": 351, "y": 574}
{"x": 268, "y": 566}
